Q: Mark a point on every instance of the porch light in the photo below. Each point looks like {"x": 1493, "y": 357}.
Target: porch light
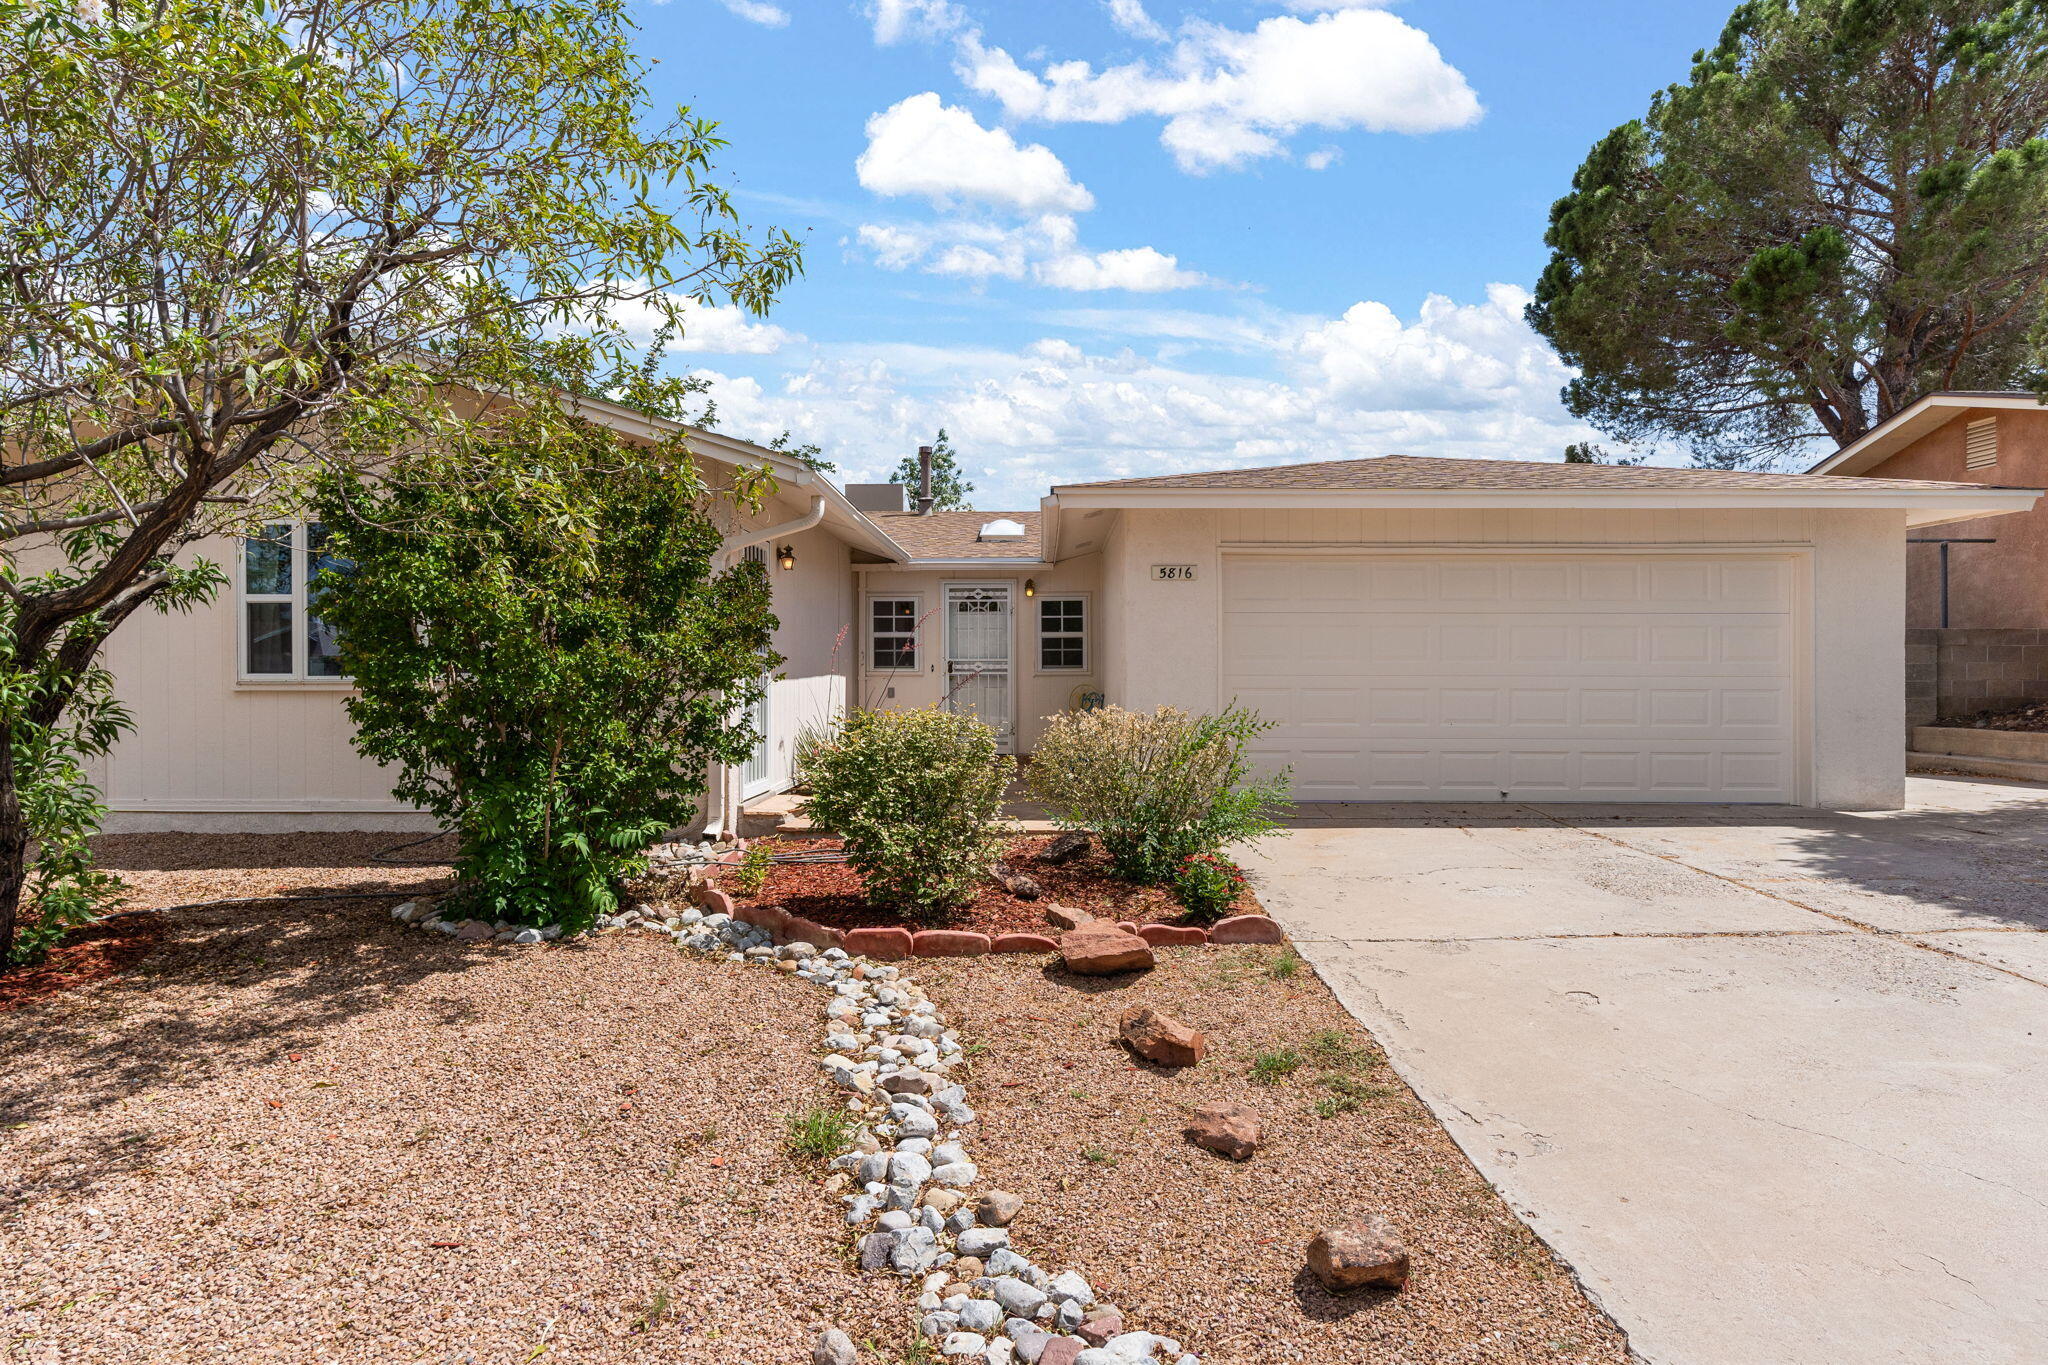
{"x": 1031, "y": 587}
{"x": 787, "y": 557}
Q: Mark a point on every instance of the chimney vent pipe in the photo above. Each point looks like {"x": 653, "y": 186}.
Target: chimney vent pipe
{"x": 924, "y": 481}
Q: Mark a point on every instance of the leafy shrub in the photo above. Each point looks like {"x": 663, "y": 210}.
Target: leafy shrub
{"x": 752, "y": 873}
{"x": 915, "y": 796}
{"x": 1207, "y": 886}
{"x": 551, "y": 678}
{"x": 1157, "y": 788}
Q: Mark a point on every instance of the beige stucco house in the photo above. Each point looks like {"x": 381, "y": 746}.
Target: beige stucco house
{"x": 1417, "y": 629}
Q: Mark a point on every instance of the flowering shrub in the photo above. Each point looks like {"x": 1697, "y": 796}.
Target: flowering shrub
{"x": 915, "y": 796}
{"x": 1208, "y": 886}
{"x": 1157, "y": 788}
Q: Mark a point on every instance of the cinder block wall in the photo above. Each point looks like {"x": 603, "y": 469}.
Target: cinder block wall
{"x": 1959, "y": 672}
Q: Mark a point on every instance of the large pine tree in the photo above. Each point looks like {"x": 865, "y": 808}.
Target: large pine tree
{"x": 1844, "y": 208}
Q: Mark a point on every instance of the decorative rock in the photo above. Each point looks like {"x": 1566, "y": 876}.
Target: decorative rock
{"x": 964, "y": 1344}
{"x": 911, "y": 1122}
{"x": 909, "y": 1169}
{"x": 1062, "y": 1351}
{"x": 1069, "y": 1287}
{"x": 834, "y": 1348}
{"x": 968, "y": 1268}
{"x": 528, "y": 936}
{"x": 1066, "y": 916}
{"x": 876, "y": 1249}
{"x": 1173, "y": 935}
{"x": 949, "y": 943}
{"x": 1065, "y": 849}
{"x": 1366, "y": 1254}
{"x": 1160, "y": 1037}
{"x": 1022, "y": 943}
{"x": 1019, "y": 1298}
{"x": 1246, "y": 929}
{"x": 981, "y": 1241}
{"x": 998, "y": 1208}
{"x": 887, "y": 943}
{"x": 1017, "y": 884}
{"x": 715, "y": 902}
{"x": 909, "y": 1082}
{"x": 1098, "y": 1327}
{"x": 1226, "y": 1128}
{"x": 1098, "y": 949}
{"x": 958, "y": 1174}
{"x": 473, "y": 931}
{"x": 945, "y": 1201}
{"x": 797, "y": 929}
{"x": 980, "y": 1315}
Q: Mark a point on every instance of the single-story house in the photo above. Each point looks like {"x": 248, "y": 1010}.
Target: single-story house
{"x": 1415, "y": 629}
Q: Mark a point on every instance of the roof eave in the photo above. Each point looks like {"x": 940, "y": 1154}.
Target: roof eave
{"x": 1912, "y": 422}
{"x": 1926, "y": 507}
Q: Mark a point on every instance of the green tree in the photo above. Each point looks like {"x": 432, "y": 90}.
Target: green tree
{"x": 809, "y": 453}
{"x": 551, "y": 676}
{"x": 949, "y": 488}
{"x": 1592, "y": 452}
{"x": 242, "y": 241}
{"x": 1845, "y": 207}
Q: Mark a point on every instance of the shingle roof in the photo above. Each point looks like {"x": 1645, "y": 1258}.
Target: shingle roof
{"x": 1425, "y": 473}
{"x": 953, "y": 535}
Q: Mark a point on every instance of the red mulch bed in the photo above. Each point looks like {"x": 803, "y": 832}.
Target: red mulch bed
{"x": 833, "y": 893}
{"x": 84, "y": 955}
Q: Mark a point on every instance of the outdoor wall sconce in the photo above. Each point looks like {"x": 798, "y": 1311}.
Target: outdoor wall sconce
{"x": 1031, "y": 587}
{"x": 787, "y": 557}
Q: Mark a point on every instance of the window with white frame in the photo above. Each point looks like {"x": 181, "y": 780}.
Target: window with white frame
{"x": 285, "y": 566}
{"x": 892, "y": 632}
{"x": 1062, "y": 634}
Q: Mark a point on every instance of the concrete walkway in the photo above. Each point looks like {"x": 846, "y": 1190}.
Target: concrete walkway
{"x": 1773, "y": 1081}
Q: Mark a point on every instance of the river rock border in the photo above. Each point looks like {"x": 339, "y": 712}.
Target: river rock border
{"x": 907, "y": 1173}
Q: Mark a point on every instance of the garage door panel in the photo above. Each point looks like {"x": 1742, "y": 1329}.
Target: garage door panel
{"x": 1551, "y": 678}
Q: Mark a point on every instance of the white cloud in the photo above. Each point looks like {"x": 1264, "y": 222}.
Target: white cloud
{"x": 1046, "y": 251}
{"x": 1456, "y": 379}
{"x": 1129, "y": 16}
{"x": 707, "y": 328}
{"x": 1322, "y": 158}
{"x": 1229, "y": 97}
{"x": 922, "y": 146}
{"x": 757, "y": 12}
{"x": 896, "y": 20}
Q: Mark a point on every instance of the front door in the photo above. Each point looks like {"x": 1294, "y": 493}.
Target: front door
{"x": 978, "y": 655}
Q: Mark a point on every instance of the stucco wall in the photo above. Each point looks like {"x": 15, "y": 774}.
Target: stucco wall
{"x": 1039, "y": 692}
{"x": 1170, "y": 631}
{"x": 1998, "y": 586}
{"x": 211, "y": 753}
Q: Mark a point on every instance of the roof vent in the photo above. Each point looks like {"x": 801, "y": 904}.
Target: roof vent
{"x": 1002, "y": 528}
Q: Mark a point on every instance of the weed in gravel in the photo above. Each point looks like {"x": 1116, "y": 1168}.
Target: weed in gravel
{"x": 1271, "y": 1068}
{"x": 1096, "y": 1156}
{"x": 1333, "y": 1048}
{"x": 653, "y": 1311}
{"x": 1347, "y": 1095}
{"x": 1285, "y": 966}
{"x": 817, "y": 1134}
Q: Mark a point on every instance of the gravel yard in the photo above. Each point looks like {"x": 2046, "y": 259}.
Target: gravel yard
{"x": 302, "y": 1132}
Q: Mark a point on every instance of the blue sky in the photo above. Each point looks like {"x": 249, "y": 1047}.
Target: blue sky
{"x": 1098, "y": 238}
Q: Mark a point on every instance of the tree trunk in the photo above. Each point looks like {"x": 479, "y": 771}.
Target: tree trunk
{"x": 14, "y": 843}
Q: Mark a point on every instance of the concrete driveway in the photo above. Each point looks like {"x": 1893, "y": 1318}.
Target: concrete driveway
{"x": 1773, "y": 1081}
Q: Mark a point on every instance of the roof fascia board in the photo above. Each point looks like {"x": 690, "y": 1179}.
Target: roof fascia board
{"x": 964, "y": 564}
{"x": 1850, "y": 497}
{"x": 1915, "y": 421}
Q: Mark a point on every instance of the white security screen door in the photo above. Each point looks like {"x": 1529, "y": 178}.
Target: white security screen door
{"x": 978, "y": 655}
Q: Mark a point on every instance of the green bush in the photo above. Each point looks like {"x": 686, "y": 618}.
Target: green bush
{"x": 1157, "y": 788}
{"x": 1207, "y": 886}
{"x": 915, "y": 795}
{"x": 551, "y": 680}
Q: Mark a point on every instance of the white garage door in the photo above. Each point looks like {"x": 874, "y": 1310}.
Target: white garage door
{"x": 1509, "y": 677}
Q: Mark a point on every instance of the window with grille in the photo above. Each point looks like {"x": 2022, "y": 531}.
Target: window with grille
{"x": 892, "y": 632}
{"x": 1980, "y": 443}
{"x": 1063, "y": 633}
{"x": 285, "y": 571}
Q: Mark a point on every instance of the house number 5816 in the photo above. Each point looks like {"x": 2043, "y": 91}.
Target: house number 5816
{"x": 1173, "y": 573}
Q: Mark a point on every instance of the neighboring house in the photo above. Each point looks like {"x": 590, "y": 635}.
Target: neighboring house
{"x": 1976, "y": 591}
{"x": 1416, "y": 629}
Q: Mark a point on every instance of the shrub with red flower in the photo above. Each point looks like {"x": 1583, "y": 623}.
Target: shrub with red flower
{"x": 1208, "y": 886}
